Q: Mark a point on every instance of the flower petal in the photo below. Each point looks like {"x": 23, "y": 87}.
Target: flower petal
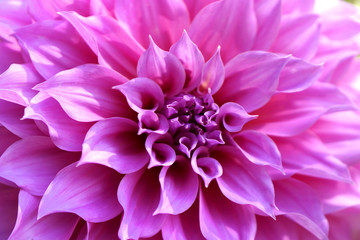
{"x": 162, "y": 67}
{"x": 66, "y": 133}
{"x": 164, "y": 20}
{"x": 33, "y": 162}
{"x": 109, "y": 40}
{"x": 192, "y": 60}
{"x": 54, "y": 46}
{"x": 28, "y": 227}
{"x": 223, "y": 219}
{"x": 114, "y": 143}
{"x": 160, "y": 150}
{"x": 255, "y": 75}
{"x": 179, "y": 187}
{"x": 85, "y": 92}
{"x": 7, "y": 138}
{"x": 243, "y": 182}
{"x": 8, "y": 209}
{"x": 195, "y": 6}
{"x": 139, "y": 194}
{"x": 76, "y": 190}
{"x": 104, "y": 230}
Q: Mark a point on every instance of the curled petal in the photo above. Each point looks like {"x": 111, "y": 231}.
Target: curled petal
{"x": 233, "y": 117}
{"x": 179, "y": 187}
{"x": 160, "y": 149}
{"x": 186, "y": 143}
{"x": 192, "y": 60}
{"x": 76, "y": 190}
{"x": 142, "y": 94}
{"x": 162, "y": 67}
{"x": 151, "y": 122}
{"x": 114, "y": 143}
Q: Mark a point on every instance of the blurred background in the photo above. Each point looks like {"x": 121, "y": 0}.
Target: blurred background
{"x": 356, "y": 2}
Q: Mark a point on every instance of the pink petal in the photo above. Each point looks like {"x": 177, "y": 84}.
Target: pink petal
{"x": 195, "y": 6}
{"x": 85, "y": 93}
{"x": 105, "y": 230}
{"x": 109, "y": 40}
{"x": 296, "y": 7}
{"x": 102, "y": 7}
{"x": 291, "y": 114}
{"x": 251, "y": 79}
{"x": 162, "y": 67}
{"x": 17, "y": 82}
{"x": 258, "y": 148}
{"x": 7, "y": 138}
{"x": 164, "y": 20}
{"x": 142, "y": 94}
{"x": 192, "y": 60}
{"x": 66, "y": 133}
{"x": 33, "y": 162}
{"x": 10, "y": 117}
{"x": 235, "y": 32}
{"x": 76, "y": 190}
{"x": 114, "y": 143}
{"x": 57, "y": 226}
{"x": 150, "y": 122}
{"x": 139, "y": 195}
{"x": 184, "y": 226}
{"x": 8, "y": 209}
{"x": 160, "y": 150}
{"x": 243, "y": 182}
{"x": 305, "y": 29}
{"x": 14, "y": 13}
{"x": 349, "y": 26}
{"x": 268, "y": 14}
{"x": 213, "y": 74}
{"x": 54, "y": 46}
{"x": 179, "y": 187}
{"x": 299, "y": 203}
{"x": 222, "y": 219}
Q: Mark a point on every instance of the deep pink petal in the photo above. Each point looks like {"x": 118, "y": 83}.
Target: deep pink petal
{"x": 76, "y": 190}
{"x": 85, "y": 92}
{"x": 195, "y": 6}
{"x": 160, "y": 150}
{"x": 109, "y": 40}
{"x": 66, "y": 133}
{"x": 54, "y": 46}
{"x": 102, "y": 7}
{"x": 222, "y": 219}
{"x": 139, "y": 195}
{"x": 228, "y": 23}
{"x": 251, "y": 79}
{"x": 192, "y": 60}
{"x": 258, "y": 148}
{"x": 33, "y": 162}
{"x": 17, "y": 82}
{"x": 8, "y": 209}
{"x": 179, "y": 187}
{"x": 244, "y": 182}
{"x": 299, "y": 203}
{"x": 164, "y": 20}
{"x": 162, "y": 67}
{"x": 142, "y": 94}
{"x": 291, "y": 114}
{"x": 213, "y": 74}
{"x": 7, "y": 138}
{"x": 56, "y": 226}
{"x": 114, "y": 143}
{"x": 105, "y": 230}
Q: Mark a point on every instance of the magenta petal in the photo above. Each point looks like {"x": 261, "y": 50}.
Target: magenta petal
{"x": 222, "y": 219}
{"x": 258, "y": 148}
{"x": 192, "y": 60}
{"x": 7, "y": 138}
{"x": 65, "y": 132}
{"x": 244, "y": 182}
{"x": 14, "y": 13}
{"x": 213, "y": 74}
{"x": 150, "y": 122}
{"x": 160, "y": 150}
{"x": 114, "y": 143}
{"x": 142, "y": 94}
{"x": 108, "y": 39}
{"x": 8, "y": 209}
{"x": 296, "y": 7}
{"x": 33, "y": 162}
{"x": 195, "y": 6}
{"x": 299, "y": 203}
{"x": 17, "y": 82}
{"x": 162, "y": 67}
{"x": 164, "y": 20}
{"x": 233, "y": 117}
{"x": 105, "y": 230}
{"x": 85, "y": 92}
{"x": 76, "y": 190}
{"x": 28, "y": 227}
{"x": 255, "y": 75}
{"x": 54, "y": 46}
{"x": 139, "y": 195}
{"x": 179, "y": 187}
{"x": 235, "y": 32}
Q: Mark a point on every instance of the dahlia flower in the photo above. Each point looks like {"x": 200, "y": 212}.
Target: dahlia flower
{"x": 179, "y": 119}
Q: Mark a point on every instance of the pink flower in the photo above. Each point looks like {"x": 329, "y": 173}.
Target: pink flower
{"x": 179, "y": 119}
